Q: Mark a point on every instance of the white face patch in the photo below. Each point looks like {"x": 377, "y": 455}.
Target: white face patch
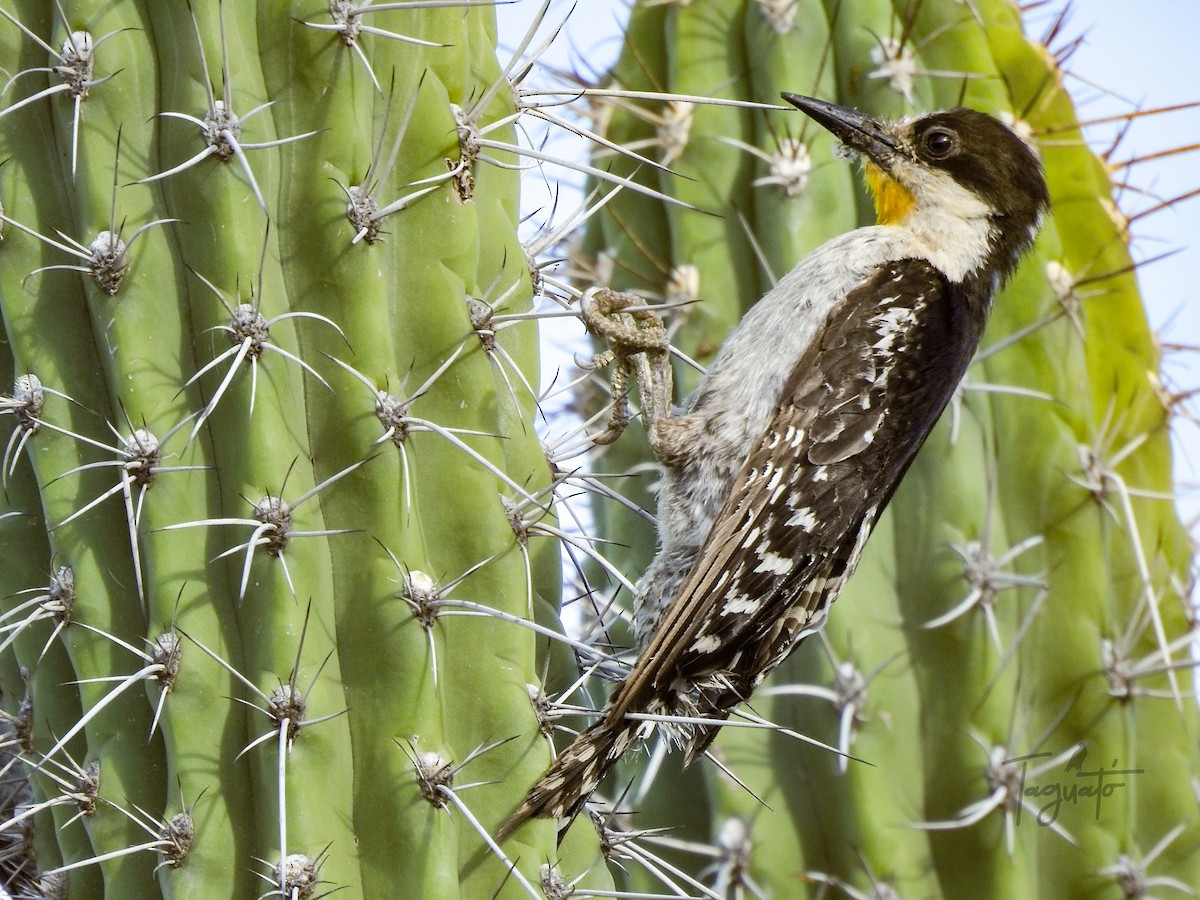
{"x": 950, "y": 224}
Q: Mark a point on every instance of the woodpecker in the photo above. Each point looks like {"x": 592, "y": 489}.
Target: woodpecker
{"x": 781, "y": 462}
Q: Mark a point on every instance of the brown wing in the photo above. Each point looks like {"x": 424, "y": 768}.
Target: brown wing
{"x": 856, "y": 408}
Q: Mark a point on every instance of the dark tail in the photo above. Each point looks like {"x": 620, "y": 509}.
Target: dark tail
{"x": 575, "y": 774}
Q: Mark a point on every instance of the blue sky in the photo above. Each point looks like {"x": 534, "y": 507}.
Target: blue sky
{"x": 1152, "y": 59}
{"x": 1149, "y": 59}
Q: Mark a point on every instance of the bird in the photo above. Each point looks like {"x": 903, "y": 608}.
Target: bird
{"x": 780, "y": 463}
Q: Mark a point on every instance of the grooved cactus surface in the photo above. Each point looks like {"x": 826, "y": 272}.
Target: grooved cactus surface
{"x": 263, "y": 437}
{"x": 281, "y": 561}
{"x": 1020, "y": 624}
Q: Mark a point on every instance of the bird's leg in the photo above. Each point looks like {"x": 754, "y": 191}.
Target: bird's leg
{"x": 639, "y": 346}
{"x": 618, "y": 390}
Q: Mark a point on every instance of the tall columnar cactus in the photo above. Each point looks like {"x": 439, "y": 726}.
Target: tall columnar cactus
{"x": 281, "y": 568}
{"x": 255, "y": 446}
{"x": 1020, "y": 626}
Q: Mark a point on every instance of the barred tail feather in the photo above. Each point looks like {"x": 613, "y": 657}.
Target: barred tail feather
{"x": 701, "y": 737}
{"x": 575, "y": 774}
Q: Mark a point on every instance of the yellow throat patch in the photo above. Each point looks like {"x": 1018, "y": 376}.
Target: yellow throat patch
{"x": 893, "y": 202}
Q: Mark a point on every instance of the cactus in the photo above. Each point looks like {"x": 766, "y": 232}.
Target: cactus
{"x": 281, "y": 551}
{"x": 253, "y": 446}
{"x": 1021, "y": 619}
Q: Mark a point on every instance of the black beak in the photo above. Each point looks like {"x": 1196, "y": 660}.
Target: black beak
{"x": 856, "y": 130}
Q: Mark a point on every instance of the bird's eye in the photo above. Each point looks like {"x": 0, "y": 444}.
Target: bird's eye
{"x": 939, "y": 143}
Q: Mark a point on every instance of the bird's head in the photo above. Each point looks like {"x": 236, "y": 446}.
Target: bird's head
{"x": 957, "y": 164}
